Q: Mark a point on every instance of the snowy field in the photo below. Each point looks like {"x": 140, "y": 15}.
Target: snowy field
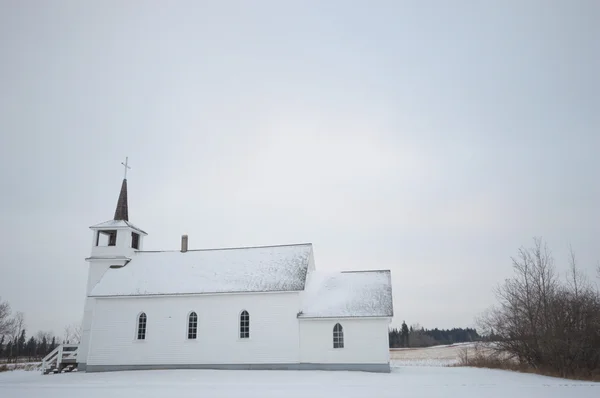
{"x": 418, "y": 381}
{"x": 442, "y": 355}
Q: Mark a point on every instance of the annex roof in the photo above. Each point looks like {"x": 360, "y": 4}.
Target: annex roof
{"x": 347, "y": 294}
{"x": 235, "y": 270}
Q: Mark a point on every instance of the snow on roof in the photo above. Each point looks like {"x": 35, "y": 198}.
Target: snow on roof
{"x": 347, "y": 294}
{"x": 253, "y": 269}
{"x": 116, "y": 224}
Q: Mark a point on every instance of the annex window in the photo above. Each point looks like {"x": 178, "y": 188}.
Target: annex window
{"x": 106, "y": 238}
{"x": 141, "y": 327}
{"x": 193, "y": 326}
{"x": 135, "y": 240}
{"x": 338, "y": 336}
{"x": 244, "y": 325}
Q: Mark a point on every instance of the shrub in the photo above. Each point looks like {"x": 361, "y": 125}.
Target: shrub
{"x": 545, "y": 324}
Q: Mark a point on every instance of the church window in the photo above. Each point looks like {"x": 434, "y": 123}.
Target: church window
{"x": 192, "y": 325}
{"x": 135, "y": 240}
{"x": 106, "y": 238}
{"x": 244, "y": 325}
{"x": 141, "y": 329}
{"x": 338, "y": 336}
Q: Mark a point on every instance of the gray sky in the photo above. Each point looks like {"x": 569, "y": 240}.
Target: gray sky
{"x": 432, "y": 138}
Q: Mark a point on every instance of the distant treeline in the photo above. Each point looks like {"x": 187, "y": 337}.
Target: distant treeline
{"x": 17, "y": 346}
{"x": 33, "y": 349}
{"x": 416, "y": 336}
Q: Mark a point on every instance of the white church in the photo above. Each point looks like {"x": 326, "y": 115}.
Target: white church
{"x": 235, "y": 308}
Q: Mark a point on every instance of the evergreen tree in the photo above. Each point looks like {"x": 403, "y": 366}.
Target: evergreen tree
{"x": 454, "y": 335}
{"x": 21, "y": 342}
{"x": 2, "y": 347}
{"x": 394, "y": 338}
{"x": 421, "y": 337}
{"x": 397, "y": 338}
{"x": 404, "y": 334}
{"x": 31, "y": 347}
{"x": 43, "y": 347}
{"x": 53, "y": 344}
{"x": 9, "y": 350}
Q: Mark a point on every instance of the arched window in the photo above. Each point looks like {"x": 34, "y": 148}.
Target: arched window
{"x": 338, "y": 336}
{"x": 192, "y": 325}
{"x": 141, "y": 327}
{"x": 244, "y": 325}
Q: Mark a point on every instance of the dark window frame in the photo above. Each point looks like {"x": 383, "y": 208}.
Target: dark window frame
{"x": 112, "y": 237}
{"x": 135, "y": 240}
{"x": 244, "y": 325}
{"x": 192, "y": 326}
{"x": 142, "y": 321}
{"x": 338, "y": 336}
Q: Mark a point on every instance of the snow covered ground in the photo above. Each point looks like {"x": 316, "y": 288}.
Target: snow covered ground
{"x": 402, "y": 382}
{"x": 22, "y": 365}
{"x": 442, "y": 355}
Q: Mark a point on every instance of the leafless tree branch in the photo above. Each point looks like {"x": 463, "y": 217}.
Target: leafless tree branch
{"x": 543, "y": 322}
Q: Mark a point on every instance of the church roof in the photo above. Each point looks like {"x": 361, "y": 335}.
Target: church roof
{"x": 347, "y": 294}
{"x": 116, "y": 224}
{"x": 236, "y": 270}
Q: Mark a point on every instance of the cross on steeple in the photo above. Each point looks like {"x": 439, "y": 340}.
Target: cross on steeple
{"x": 126, "y": 165}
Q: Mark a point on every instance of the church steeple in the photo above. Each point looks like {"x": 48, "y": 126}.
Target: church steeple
{"x": 122, "y": 210}
{"x": 117, "y": 237}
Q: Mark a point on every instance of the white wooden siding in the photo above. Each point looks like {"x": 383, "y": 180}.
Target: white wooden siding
{"x": 273, "y": 330}
{"x": 97, "y": 268}
{"x": 86, "y": 326}
{"x": 365, "y": 341}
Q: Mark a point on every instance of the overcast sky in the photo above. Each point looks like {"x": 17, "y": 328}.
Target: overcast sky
{"x": 432, "y": 138}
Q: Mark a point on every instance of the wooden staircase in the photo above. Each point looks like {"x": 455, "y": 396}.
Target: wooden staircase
{"x": 62, "y": 359}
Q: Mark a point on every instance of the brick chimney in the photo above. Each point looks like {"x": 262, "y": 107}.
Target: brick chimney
{"x": 184, "y": 243}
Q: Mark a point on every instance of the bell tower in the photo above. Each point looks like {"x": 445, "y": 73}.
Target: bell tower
{"x": 114, "y": 243}
{"x": 116, "y": 239}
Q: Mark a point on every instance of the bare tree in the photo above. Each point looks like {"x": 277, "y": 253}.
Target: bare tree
{"x": 39, "y": 336}
{"x": 6, "y": 321}
{"x": 542, "y": 322}
{"x": 18, "y": 324}
{"x": 72, "y": 334}
{"x": 574, "y": 274}
{"x": 524, "y": 303}
{"x": 418, "y": 338}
